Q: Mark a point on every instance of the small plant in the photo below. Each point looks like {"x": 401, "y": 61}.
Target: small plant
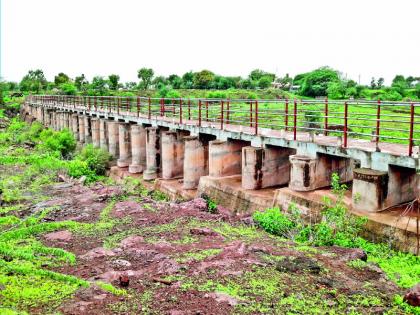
{"x": 96, "y": 159}
{"x": 211, "y": 204}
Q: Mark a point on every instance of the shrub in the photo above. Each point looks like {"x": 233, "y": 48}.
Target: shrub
{"x": 216, "y": 94}
{"x": 96, "y": 159}
{"x": 274, "y": 221}
{"x": 58, "y": 141}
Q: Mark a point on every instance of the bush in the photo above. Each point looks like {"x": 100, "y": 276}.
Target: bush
{"x": 217, "y": 94}
{"x": 96, "y": 159}
{"x": 62, "y": 141}
{"x": 274, "y": 222}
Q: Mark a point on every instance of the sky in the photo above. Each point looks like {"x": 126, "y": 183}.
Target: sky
{"x": 360, "y": 38}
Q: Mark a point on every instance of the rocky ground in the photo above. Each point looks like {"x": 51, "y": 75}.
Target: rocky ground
{"x": 178, "y": 258}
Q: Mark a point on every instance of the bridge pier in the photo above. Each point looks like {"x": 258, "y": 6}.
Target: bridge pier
{"x": 124, "y": 145}
{"x": 138, "y": 149}
{"x": 81, "y": 120}
{"x": 375, "y": 191}
{"x": 196, "y": 160}
{"x": 153, "y": 150}
{"x": 265, "y": 167}
{"x": 75, "y": 126}
{"x": 103, "y": 134}
{"x": 172, "y": 154}
{"x": 88, "y": 130}
{"x": 225, "y": 157}
{"x": 95, "y": 132}
{"x": 113, "y": 147}
{"x": 309, "y": 173}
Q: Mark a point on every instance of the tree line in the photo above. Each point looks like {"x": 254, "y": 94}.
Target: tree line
{"x": 321, "y": 82}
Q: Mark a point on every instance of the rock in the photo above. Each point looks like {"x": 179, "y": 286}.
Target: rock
{"x": 196, "y": 204}
{"x": 248, "y": 221}
{"x": 223, "y": 298}
{"x": 126, "y": 207}
{"x": 412, "y": 297}
{"x": 348, "y": 254}
{"x": 98, "y": 252}
{"x": 235, "y": 249}
{"x": 301, "y": 263}
{"x": 203, "y": 231}
{"x": 124, "y": 280}
{"x": 168, "y": 266}
{"x": 121, "y": 263}
{"x": 82, "y": 180}
{"x": 132, "y": 242}
{"x": 63, "y": 236}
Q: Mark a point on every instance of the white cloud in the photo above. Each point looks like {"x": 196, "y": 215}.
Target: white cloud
{"x": 370, "y": 38}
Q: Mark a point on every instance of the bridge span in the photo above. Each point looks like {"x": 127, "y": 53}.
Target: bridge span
{"x": 263, "y": 143}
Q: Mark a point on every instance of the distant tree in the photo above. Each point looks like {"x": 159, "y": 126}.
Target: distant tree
{"x": 33, "y": 81}
{"x": 113, "y": 81}
{"x": 80, "y": 82}
{"x": 61, "y": 78}
{"x": 380, "y": 83}
{"x": 373, "y": 83}
{"x": 257, "y": 74}
{"x": 417, "y": 90}
{"x": 315, "y": 83}
{"x": 159, "y": 81}
{"x": 265, "y": 82}
{"x": 203, "y": 79}
{"x": 399, "y": 84}
{"x": 336, "y": 90}
{"x": 410, "y": 80}
{"x": 99, "y": 86}
{"x": 247, "y": 84}
{"x": 68, "y": 88}
{"x": 130, "y": 85}
{"x": 145, "y": 75}
{"x": 285, "y": 82}
{"x": 188, "y": 80}
{"x": 175, "y": 81}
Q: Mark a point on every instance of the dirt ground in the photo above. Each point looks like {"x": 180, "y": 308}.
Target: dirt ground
{"x": 178, "y": 258}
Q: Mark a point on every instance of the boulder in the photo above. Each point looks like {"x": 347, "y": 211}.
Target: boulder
{"x": 412, "y": 297}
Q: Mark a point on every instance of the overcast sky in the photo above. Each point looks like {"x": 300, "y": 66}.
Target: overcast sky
{"x": 230, "y": 37}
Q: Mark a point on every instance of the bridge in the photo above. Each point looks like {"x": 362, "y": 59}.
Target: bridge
{"x": 261, "y": 144}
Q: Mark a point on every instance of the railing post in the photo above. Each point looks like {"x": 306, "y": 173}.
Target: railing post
{"x": 162, "y": 107}
{"x": 326, "y": 117}
{"x": 227, "y": 111}
{"x": 180, "y": 110}
{"x": 173, "y": 107}
{"x": 256, "y": 117}
{"x": 189, "y": 109}
{"x": 378, "y": 120}
{"x": 199, "y": 113}
{"x": 138, "y": 106}
{"x": 294, "y": 119}
{"x": 346, "y": 112}
{"x": 410, "y": 144}
{"x": 118, "y": 105}
{"x": 149, "y": 108}
{"x": 95, "y": 104}
{"x": 221, "y": 115}
{"x": 250, "y": 114}
{"x": 128, "y": 104}
{"x": 286, "y": 114}
{"x": 207, "y": 110}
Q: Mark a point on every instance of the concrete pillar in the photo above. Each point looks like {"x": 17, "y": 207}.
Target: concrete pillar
{"x": 374, "y": 191}
{"x": 152, "y": 153}
{"x": 124, "y": 144}
{"x": 88, "y": 130}
{"x": 172, "y": 154}
{"x": 265, "y": 167}
{"x": 138, "y": 149}
{"x": 196, "y": 161}
{"x": 67, "y": 124}
{"x": 113, "y": 147}
{"x": 75, "y": 125}
{"x": 225, "y": 158}
{"x": 81, "y": 120}
{"x": 309, "y": 173}
{"x": 103, "y": 134}
{"x": 95, "y": 132}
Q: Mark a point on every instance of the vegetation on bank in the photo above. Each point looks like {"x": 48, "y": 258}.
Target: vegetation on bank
{"x": 320, "y": 82}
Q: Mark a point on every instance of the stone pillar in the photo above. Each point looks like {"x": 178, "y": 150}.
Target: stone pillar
{"x": 113, "y": 147}
{"x": 138, "y": 149}
{"x": 152, "y": 153}
{"x": 75, "y": 126}
{"x": 95, "y": 132}
{"x": 172, "y": 154}
{"x": 370, "y": 189}
{"x": 225, "y": 158}
{"x": 124, "y": 143}
{"x": 81, "y": 120}
{"x": 103, "y": 134}
{"x": 66, "y": 120}
{"x": 265, "y": 167}
{"x": 196, "y": 161}
{"x": 88, "y": 130}
{"x": 302, "y": 173}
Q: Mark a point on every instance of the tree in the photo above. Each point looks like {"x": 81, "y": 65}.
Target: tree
{"x": 373, "y": 83}
{"x": 145, "y": 75}
{"x": 99, "y": 86}
{"x": 380, "y": 83}
{"x": 315, "y": 83}
{"x": 336, "y": 90}
{"x": 175, "y": 81}
{"x": 68, "y": 88}
{"x": 61, "y": 78}
{"x": 257, "y": 74}
{"x": 113, "y": 81}
{"x": 285, "y": 82}
{"x": 399, "y": 84}
{"x": 203, "y": 79}
{"x": 80, "y": 82}
{"x": 130, "y": 85}
{"x": 188, "y": 80}
{"x": 417, "y": 90}
{"x": 159, "y": 82}
{"x": 33, "y": 81}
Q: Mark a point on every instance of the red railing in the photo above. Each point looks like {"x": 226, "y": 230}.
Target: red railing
{"x": 371, "y": 121}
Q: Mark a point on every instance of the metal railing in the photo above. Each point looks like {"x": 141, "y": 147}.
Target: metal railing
{"x": 385, "y": 122}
